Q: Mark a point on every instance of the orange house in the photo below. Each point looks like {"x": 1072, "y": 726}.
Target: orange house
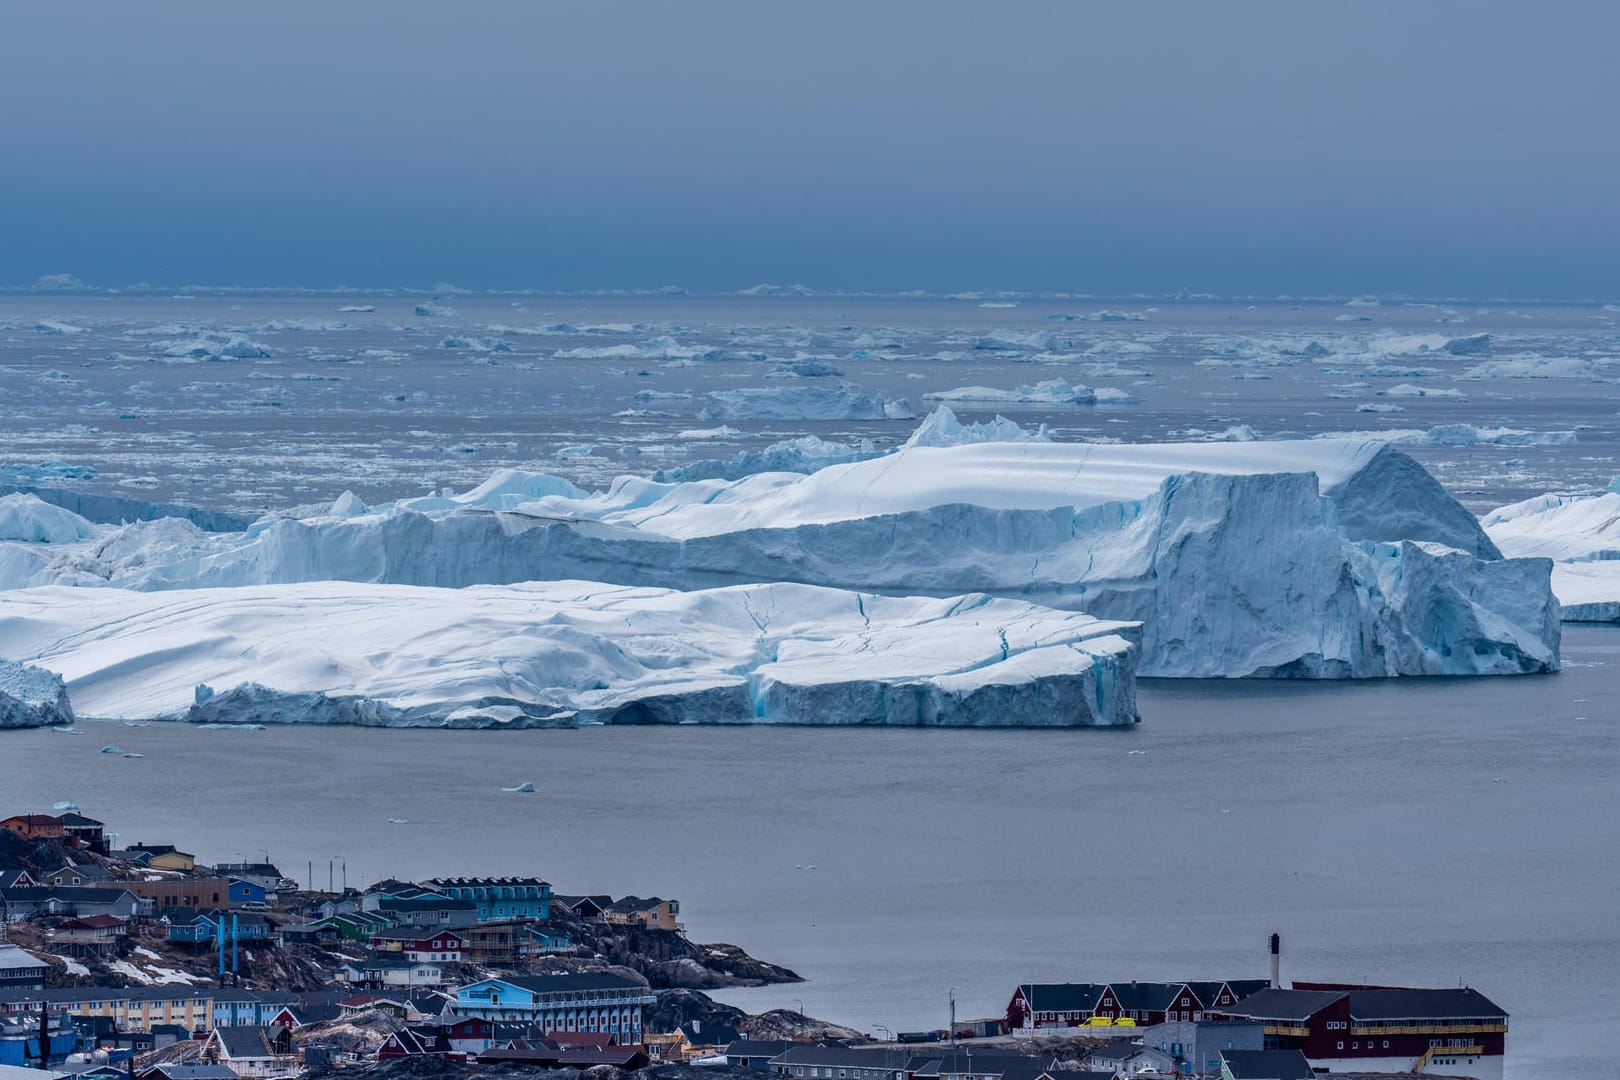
{"x": 35, "y": 826}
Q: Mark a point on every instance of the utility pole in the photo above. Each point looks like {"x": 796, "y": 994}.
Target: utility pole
{"x": 953, "y": 1018}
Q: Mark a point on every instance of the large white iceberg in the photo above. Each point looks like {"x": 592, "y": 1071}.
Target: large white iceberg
{"x": 565, "y": 653}
{"x": 1581, "y": 533}
{"x": 1310, "y": 558}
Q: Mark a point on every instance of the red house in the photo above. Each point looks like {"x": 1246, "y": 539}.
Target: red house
{"x": 421, "y": 944}
{"x": 1345, "y": 1028}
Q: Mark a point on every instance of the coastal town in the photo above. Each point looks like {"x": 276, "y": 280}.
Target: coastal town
{"x": 143, "y": 962}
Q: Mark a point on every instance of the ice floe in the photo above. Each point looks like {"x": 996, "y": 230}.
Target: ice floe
{"x": 566, "y": 653}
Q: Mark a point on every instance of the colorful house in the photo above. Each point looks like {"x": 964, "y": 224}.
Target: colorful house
{"x": 591, "y": 1002}
{"x": 35, "y": 826}
{"x": 649, "y": 913}
{"x": 500, "y": 897}
{"x": 244, "y": 893}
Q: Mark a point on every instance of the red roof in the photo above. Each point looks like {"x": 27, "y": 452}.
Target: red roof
{"x": 575, "y": 1039}
{"x": 95, "y": 922}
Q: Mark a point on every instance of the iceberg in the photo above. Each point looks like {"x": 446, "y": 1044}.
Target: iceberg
{"x": 1016, "y": 341}
{"x": 1311, "y": 558}
{"x": 810, "y": 453}
{"x": 942, "y": 428}
{"x": 1472, "y": 345}
{"x": 30, "y": 519}
{"x": 1458, "y": 435}
{"x": 215, "y": 347}
{"x": 1050, "y": 392}
{"x": 567, "y": 653}
{"x": 845, "y": 402}
{"x": 1411, "y": 390}
{"x": 1581, "y": 533}
{"x": 32, "y": 697}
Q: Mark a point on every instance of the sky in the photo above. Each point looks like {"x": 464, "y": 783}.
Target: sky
{"x": 1426, "y": 149}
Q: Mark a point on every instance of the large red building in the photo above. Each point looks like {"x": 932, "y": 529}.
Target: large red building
{"x": 1058, "y": 1005}
{"x": 1344, "y": 1028}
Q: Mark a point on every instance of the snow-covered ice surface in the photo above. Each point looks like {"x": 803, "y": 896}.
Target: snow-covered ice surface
{"x": 1582, "y": 533}
{"x": 566, "y": 653}
{"x": 1314, "y": 558}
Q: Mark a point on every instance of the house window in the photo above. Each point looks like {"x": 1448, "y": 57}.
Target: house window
{"x": 1341, "y": 1046}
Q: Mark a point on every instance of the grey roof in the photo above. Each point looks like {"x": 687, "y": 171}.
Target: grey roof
{"x": 1284, "y": 1004}
{"x": 1117, "y": 1048}
{"x": 74, "y": 994}
{"x": 700, "y": 1033}
{"x": 85, "y": 871}
{"x": 12, "y": 958}
{"x": 195, "y": 1072}
{"x": 246, "y": 1042}
{"x": 1145, "y": 996}
{"x": 426, "y": 903}
{"x": 551, "y": 984}
{"x": 487, "y": 882}
{"x": 1421, "y": 1004}
{"x": 1267, "y": 1064}
{"x": 69, "y": 894}
{"x": 843, "y": 1057}
{"x": 632, "y": 904}
{"x": 767, "y": 1048}
{"x": 411, "y": 933}
{"x": 1062, "y": 997}
{"x": 387, "y": 961}
{"x": 940, "y": 1063}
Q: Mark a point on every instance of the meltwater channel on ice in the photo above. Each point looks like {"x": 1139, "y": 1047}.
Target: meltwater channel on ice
{"x": 977, "y": 575}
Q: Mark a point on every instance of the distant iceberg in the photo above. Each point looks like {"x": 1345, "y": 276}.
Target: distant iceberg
{"x": 27, "y": 518}
{"x": 32, "y": 697}
{"x": 845, "y": 402}
{"x": 1050, "y": 392}
{"x": 568, "y": 653}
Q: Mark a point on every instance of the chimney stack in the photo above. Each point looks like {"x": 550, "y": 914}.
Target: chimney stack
{"x": 1276, "y": 961}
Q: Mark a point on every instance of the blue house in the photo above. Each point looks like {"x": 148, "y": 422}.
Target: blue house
{"x": 246, "y": 893}
{"x": 249, "y": 1008}
{"x": 599, "y": 1002}
{"x": 19, "y": 1038}
{"x": 500, "y": 898}
{"x": 205, "y": 926}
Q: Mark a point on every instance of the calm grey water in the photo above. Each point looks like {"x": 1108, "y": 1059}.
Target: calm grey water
{"x": 1425, "y": 831}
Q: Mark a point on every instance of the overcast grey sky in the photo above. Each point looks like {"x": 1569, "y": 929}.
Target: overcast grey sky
{"x": 1427, "y": 148}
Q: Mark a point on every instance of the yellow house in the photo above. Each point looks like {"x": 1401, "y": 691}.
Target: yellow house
{"x": 651, "y": 913}
{"x": 160, "y": 857}
{"x": 138, "y": 1008}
